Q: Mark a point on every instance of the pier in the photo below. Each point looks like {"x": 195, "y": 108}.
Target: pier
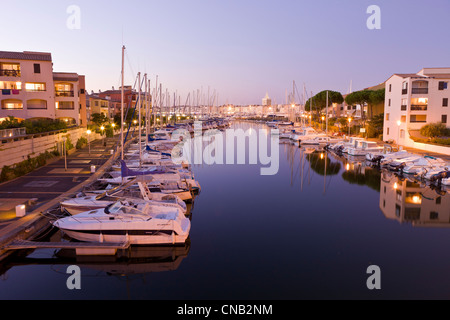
{"x": 47, "y": 187}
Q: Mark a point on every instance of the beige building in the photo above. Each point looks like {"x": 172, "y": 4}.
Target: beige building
{"x": 30, "y": 89}
{"x": 414, "y": 100}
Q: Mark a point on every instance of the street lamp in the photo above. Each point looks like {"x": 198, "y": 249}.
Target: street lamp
{"x": 323, "y": 119}
{"x": 103, "y": 129}
{"x": 89, "y": 140}
{"x": 349, "y": 123}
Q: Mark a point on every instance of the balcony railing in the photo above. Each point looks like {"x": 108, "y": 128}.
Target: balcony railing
{"x": 64, "y": 93}
{"x": 419, "y": 91}
{"x": 404, "y": 108}
{"x": 9, "y": 73}
{"x": 419, "y": 107}
{"x": 404, "y": 91}
{"x": 9, "y": 133}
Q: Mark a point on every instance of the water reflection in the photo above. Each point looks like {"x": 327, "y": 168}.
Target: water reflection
{"x": 134, "y": 261}
{"x": 401, "y": 198}
{"x": 412, "y": 202}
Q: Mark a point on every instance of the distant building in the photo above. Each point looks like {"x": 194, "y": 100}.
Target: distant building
{"x": 414, "y": 100}
{"x": 267, "y": 102}
{"x": 29, "y": 89}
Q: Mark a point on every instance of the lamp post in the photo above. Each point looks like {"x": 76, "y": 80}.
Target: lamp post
{"x": 349, "y": 123}
{"x": 103, "y": 129}
{"x": 89, "y": 140}
{"x": 323, "y": 119}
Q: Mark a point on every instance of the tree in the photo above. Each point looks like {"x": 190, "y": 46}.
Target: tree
{"x": 319, "y": 101}
{"x": 376, "y": 97}
{"x": 359, "y": 97}
{"x": 99, "y": 119}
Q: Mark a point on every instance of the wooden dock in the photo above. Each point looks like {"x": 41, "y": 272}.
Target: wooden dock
{"x": 81, "y": 248}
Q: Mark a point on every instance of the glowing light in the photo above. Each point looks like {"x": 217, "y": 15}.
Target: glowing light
{"x": 348, "y": 167}
{"x": 416, "y": 199}
{"x": 89, "y": 132}
{"x": 396, "y": 186}
{"x": 399, "y": 123}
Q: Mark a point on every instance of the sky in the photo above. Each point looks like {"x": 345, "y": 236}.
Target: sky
{"x": 238, "y": 50}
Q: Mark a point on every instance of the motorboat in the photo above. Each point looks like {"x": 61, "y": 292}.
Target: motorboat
{"x": 353, "y": 143}
{"x": 414, "y": 163}
{"x": 319, "y": 140}
{"x": 364, "y": 147}
{"x": 78, "y": 205}
{"x": 423, "y": 163}
{"x": 305, "y": 134}
{"x": 140, "y": 223}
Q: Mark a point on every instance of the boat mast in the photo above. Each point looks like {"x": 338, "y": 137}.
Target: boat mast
{"x": 122, "y": 102}
{"x": 140, "y": 121}
{"x": 326, "y": 115}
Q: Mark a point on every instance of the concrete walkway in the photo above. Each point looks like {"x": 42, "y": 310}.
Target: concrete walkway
{"x": 45, "y": 187}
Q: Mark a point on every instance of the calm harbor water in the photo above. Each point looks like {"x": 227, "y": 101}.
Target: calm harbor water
{"x": 308, "y": 232}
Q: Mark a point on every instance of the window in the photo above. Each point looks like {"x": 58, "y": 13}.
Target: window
{"x": 65, "y": 105}
{"x": 405, "y": 87}
{"x": 404, "y": 106}
{"x": 37, "y": 104}
{"x": 11, "y": 85}
{"x": 37, "y": 68}
{"x": 434, "y": 215}
{"x": 438, "y": 200}
{"x": 10, "y": 69}
{"x": 390, "y": 88}
{"x": 387, "y": 131}
{"x": 445, "y": 102}
{"x": 12, "y": 105}
{"x": 387, "y": 116}
{"x": 389, "y": 103}
{"x": 35, "y": 86}
{"x": 403, "y": 119}
{"x": 402, "y": 134}
{"x": 418, "y": 118}
{"x": 444, "y": 118}
{"x": 443, "y": 85}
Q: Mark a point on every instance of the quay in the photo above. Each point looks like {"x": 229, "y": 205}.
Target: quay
{"x": 43, "y": 189}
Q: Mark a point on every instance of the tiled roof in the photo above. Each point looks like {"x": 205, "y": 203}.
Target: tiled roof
{"x": 40, "y": 56}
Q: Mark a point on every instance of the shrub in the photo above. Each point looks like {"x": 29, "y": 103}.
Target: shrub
{"x": 434, "y": 130}
{"x": 81, "y": 142}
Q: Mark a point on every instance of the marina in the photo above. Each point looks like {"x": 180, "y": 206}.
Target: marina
{"x": 215, "y": 158}
{"x": 326, "y": 244}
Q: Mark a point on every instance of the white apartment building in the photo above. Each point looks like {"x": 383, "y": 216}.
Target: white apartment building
{"x": 29, "y": 89}
{"x": 414, "y": 100}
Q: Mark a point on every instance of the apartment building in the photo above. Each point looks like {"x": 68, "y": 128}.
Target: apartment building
{"x": 29, "y": 89}
{"x": 414, "y": 100}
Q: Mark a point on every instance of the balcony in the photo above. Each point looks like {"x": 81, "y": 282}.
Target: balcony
{"x": 404, "y": 108}
{"x": 64, "y": 94}
{"x": 419, "y": 91}
{"x": 418, "y": 107}
{"x": 9, "y": 73}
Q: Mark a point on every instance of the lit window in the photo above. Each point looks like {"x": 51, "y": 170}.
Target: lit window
{"x": 35, "y": 86}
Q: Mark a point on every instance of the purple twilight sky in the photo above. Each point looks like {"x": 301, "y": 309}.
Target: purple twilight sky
{"x": 240, "y": 49}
